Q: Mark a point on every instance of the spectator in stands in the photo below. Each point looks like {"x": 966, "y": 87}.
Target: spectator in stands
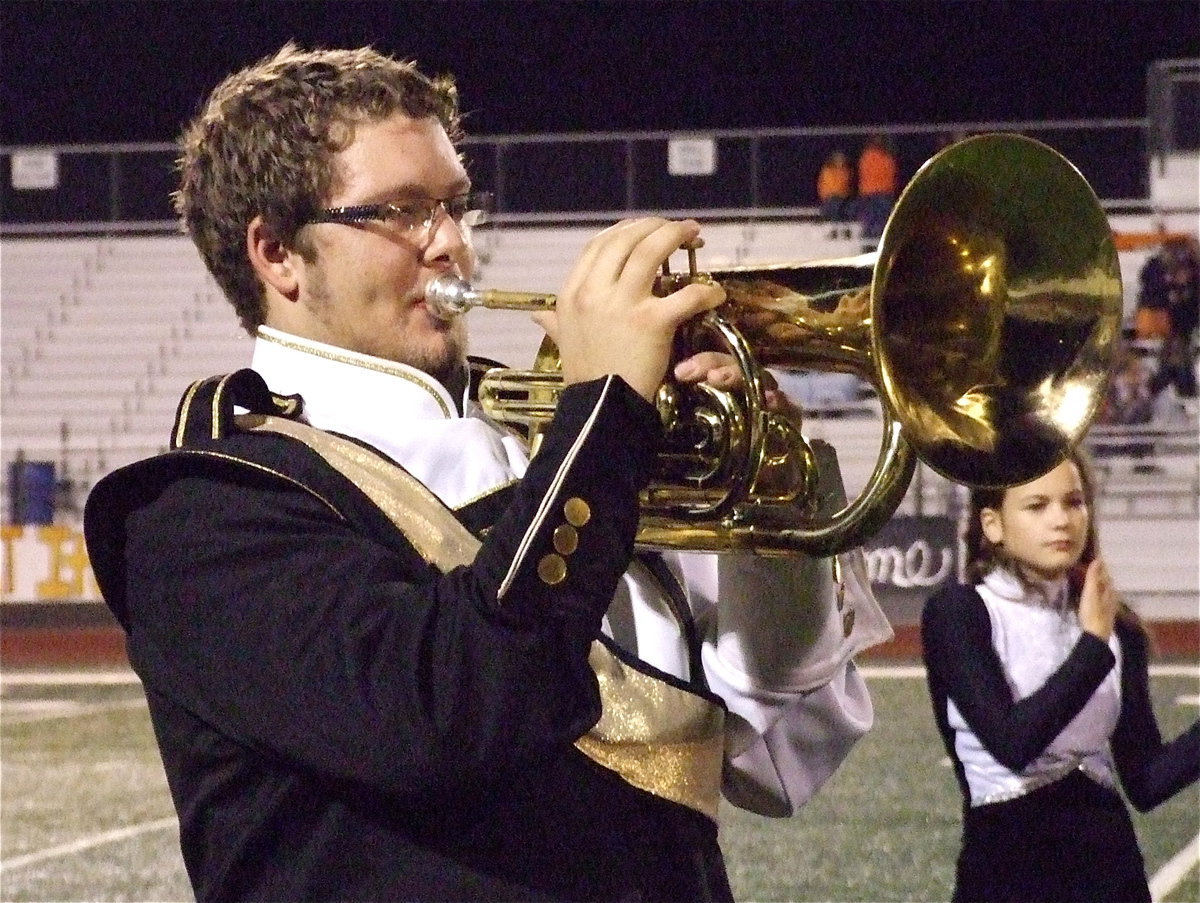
{"x": 1180, "y": 285}
{"x": 1150, "y": 318}
{"x": 835, "y": 190}
{"x": 1129, "y": 399}
{"x": 1038, "y": 678}
{"x": 878, "y": 176}
{"x": 387, "y": 655}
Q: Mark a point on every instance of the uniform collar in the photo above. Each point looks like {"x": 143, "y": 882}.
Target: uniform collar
{"x": 342, "y": 387}
{"x": 1042, "y": 593}
{"x": 399, "y": 410}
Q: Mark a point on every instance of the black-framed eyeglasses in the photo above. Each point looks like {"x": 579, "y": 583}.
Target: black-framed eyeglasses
{"x": 415, "y": 217}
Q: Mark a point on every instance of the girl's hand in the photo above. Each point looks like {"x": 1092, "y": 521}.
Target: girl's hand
{"x": 1098, "y": 601}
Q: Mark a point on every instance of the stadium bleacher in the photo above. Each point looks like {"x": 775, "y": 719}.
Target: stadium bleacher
{"x": 99, "y": 331}
{"x": 101, "y": 335}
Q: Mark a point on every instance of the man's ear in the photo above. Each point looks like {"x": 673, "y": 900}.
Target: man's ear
{"x": 993, "y": 525}
{"x": 272, "y": 261}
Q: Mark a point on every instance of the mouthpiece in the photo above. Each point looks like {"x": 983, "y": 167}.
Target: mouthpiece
{"x": 448, "y": 296}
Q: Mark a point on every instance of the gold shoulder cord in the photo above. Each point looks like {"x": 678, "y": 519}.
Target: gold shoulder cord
{"x": 659, "y": 738}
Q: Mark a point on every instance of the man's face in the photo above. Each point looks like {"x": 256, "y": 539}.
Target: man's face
{"x": 364, "y": 291}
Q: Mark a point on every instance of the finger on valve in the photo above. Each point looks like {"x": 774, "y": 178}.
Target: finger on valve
{"x": 609, "y": 321}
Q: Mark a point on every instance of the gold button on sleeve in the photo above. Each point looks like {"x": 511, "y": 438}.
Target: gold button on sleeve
{"x": 566, "y": 539}
{"x": 552, "y": 569}
{"x": 577, "y": 511}
{"x": 848, "y": 622}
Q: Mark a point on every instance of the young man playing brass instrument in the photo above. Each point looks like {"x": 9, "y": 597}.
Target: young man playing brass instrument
{"x": 387, "y": 656}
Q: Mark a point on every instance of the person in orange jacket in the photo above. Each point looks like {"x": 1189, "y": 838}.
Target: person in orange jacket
{"x": 835, "y": 188}
{"x": 877, "y": 185}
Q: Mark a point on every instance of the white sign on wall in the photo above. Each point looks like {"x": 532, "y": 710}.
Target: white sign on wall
{"x": 691, "y": 156}
{"x": 1175, "y": 181}
{"x": 34, "y": 170}
{"x": 44, "y": 562}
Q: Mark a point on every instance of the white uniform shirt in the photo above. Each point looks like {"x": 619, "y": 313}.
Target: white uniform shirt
{"x": 1033, "y": 635}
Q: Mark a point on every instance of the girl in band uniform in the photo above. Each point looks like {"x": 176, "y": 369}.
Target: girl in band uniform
{"x": 1038, "y": 678}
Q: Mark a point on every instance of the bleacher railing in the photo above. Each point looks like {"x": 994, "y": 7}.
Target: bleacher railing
{"x": 755, "y": 173}
{"x": 715, "y": 174}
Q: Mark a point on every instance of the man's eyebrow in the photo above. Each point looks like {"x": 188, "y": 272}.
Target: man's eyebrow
{"x": 418, "y": 192}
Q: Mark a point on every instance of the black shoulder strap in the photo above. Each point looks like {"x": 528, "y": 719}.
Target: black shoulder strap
{"x": 429, "y": 526}
{"x": 206, "y": 415}
{"x": 677, "y": 601}
{"x": 205, "y": 412}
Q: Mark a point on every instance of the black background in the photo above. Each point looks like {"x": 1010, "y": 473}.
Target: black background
{"x": 75, "y": 72}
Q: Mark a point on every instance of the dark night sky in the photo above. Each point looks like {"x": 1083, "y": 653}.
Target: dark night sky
{"x": 135, "y": 71}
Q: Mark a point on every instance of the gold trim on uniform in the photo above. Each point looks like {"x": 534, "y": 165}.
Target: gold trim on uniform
{"x": 185, "y": 407}
{"x": 431, "y": 528}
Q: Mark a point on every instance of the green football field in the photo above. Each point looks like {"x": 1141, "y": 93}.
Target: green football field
{"x": 85, "y": 816}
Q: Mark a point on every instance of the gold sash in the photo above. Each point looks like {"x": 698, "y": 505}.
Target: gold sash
{"x": 658, "y": 737}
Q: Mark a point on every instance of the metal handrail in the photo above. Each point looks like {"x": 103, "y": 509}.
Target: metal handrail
{"x": 750, "y": 182}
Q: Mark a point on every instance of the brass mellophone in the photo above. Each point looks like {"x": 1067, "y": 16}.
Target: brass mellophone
{"x": 986, "y": 323}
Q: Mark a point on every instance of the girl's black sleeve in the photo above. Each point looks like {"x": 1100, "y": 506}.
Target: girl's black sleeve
{"x": 1151, "y": 771}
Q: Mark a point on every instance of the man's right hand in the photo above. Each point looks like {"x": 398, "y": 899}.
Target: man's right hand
{"x": 607, "y": 319}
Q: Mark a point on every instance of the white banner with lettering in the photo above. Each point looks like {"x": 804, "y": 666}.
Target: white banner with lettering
{"x": 909, "y": 559}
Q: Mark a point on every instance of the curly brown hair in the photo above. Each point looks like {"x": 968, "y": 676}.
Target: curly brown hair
{"x": 264, "y": 145}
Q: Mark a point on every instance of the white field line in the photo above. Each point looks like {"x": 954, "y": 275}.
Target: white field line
{"x": 1169, "y": 877}
{"x": 29, "y": 711}
{"x": 892, "y": 672}
{"x": 68, "y": 678}
{"x": 900, "y": 672}
{"x": 86, "y": 843}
